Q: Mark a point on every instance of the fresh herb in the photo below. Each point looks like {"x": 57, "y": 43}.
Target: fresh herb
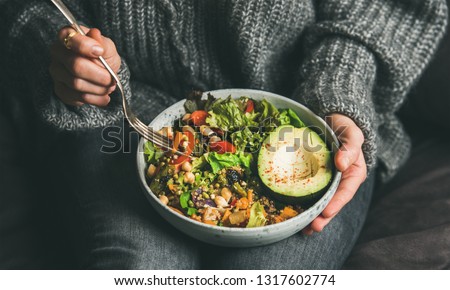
{"x": 199, "y": 163}
{"x": 247, "y": 140}
{"x": 152, "y": 152}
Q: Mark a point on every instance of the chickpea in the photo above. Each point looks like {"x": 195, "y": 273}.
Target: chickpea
{"x": 151, "y": 170}
{"x": 226, "y": 194}
{"x": 164, "y": 199}
{"x": 189, "y": 177}
{"x": 187, "y": 166}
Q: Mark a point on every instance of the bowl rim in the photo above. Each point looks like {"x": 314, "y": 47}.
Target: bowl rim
{"x": 333, "y": 184}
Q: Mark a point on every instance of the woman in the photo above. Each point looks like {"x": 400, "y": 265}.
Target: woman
{"x": 352, "y": 61}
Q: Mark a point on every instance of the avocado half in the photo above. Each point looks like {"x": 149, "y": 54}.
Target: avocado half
{"x": 295, "y": 165}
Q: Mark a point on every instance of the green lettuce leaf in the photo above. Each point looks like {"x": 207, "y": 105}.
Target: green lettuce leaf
{"x": 283, "y": 118}
{"x": 219, "y": 161}
{"x": 267, "y": 110}
{"x": 227, "y": 115}
{"x": 271, "y": 115}
{"x": 246, "y": 159}
{"x": 256, "y": 218}
{"x": 294, "y": 119}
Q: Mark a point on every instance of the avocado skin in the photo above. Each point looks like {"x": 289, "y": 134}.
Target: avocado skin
{"x": 305, "y": 201}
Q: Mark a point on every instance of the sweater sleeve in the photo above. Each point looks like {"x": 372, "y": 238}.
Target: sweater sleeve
{"x": 29, "y": 30}
{"x": 365, "y": 55}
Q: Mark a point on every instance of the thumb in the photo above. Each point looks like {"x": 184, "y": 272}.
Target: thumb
{"x": 346, "y": 156}
{"x": 97, "y": 35}
{"x": 109, "y": 49}
{"x": 351, "y": 138}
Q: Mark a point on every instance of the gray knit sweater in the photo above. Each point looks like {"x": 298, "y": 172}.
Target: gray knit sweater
{"x": 355, "y": 57}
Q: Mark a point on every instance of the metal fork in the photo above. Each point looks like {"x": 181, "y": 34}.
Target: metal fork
{"x": 143, "y": 130}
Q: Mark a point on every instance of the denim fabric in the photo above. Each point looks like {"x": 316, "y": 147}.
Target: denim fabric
{"x": 115, "y": 227}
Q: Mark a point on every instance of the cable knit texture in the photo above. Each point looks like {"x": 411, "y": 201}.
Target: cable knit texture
{"x": 355, "y": 57}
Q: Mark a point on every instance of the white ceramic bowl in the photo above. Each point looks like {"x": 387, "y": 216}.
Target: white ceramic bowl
{"x": 240, "y": 237}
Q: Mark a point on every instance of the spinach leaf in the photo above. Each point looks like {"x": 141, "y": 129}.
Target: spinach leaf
{"x": 184, "y": 198}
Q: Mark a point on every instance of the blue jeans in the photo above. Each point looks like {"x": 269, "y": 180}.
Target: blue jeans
{"x": 114, "y": 227}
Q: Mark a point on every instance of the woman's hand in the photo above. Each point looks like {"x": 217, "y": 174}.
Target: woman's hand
{"x": 350, "y": 161}
{"x": 79, "y": 77}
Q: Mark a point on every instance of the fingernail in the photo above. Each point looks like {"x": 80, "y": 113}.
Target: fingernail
{"x": 97, "y": 50}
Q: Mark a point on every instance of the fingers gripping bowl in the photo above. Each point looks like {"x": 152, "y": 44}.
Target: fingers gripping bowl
{"x": 274, "y": 230}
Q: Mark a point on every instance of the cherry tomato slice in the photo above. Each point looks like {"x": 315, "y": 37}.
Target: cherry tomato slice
{"x": 250, "y": 106}
{"x": 199, "y": 117}
{"x": 180, "y": 160}
{"x": 222, "y": 147}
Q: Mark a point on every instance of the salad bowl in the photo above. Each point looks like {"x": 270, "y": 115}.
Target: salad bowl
{"x": 235, "y": 236}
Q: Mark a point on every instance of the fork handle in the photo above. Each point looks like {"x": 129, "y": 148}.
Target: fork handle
{"x": 69, "y": 16}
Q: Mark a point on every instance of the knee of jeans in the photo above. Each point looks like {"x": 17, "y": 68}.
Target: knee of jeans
{"x": 131, "y": 243}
